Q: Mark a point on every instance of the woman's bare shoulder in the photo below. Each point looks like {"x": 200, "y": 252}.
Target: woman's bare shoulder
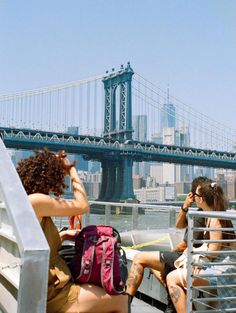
{"x": 215, "y": 222}
{"x": 36, "y": 198}
{"x": 45, "y": 205}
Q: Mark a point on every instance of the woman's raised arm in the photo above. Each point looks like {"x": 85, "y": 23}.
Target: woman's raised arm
{"x": 45, "y": 205}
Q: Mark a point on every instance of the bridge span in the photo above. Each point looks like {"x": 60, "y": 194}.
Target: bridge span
{"x": 98, "y": 148}
{"x": 116, "y": 156}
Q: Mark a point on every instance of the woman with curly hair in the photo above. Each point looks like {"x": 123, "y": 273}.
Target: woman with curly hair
{"x": 43, "y": 175}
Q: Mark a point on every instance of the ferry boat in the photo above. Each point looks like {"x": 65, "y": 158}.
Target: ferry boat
{"x": 24, "y": 252}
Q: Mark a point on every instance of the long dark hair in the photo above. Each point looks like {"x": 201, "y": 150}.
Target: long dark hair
{"x": 213, "y": 195}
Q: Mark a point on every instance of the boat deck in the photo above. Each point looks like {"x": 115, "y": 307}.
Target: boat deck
{"x": 139, "y": 306}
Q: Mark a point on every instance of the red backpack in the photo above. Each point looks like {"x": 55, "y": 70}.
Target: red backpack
{"x": 99, "y": 259}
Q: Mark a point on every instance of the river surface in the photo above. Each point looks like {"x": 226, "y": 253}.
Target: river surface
{"x": 149, "y": 220}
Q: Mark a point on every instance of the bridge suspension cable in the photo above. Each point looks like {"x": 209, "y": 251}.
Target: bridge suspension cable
{"x": 203, "y": 130}
{"x": 77, "y": 106}
{"x": 34, "y": 92}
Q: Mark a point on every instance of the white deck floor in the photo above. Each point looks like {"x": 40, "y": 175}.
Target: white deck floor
{"x": 139, "y": 306}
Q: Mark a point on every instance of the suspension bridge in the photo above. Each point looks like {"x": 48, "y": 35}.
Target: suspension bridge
{"x": 120, "y": 118}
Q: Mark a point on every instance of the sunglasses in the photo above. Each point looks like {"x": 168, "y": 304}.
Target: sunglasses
{"x": 196, "y": 194}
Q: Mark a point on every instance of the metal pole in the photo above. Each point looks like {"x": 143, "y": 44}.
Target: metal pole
{"x": 135, "y": 217}
{"x": 189, "y": 267}
{"x": 172, "y": 217}
{"x": 107, "y": 214}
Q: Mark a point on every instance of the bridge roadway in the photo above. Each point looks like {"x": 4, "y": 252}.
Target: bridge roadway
{"x": 100, "y": 148}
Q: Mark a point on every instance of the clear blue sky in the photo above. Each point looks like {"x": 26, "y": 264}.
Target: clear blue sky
{"x": 190, "y": 45}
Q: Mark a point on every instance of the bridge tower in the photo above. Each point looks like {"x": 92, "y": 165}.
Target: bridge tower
{"x": 117, "y": 182}
{"x": 118, "y": 82}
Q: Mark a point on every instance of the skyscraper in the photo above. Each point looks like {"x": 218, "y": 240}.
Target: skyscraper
{"x": 140, "y": 134}
{"x": 140, "y": 127}
{"x": 80, "y": 162}
{"x": 184, "y": 173}
{"x": 168, "y": 116}
{"x": 171, "y": 135}
{"x": 168, "y": 125}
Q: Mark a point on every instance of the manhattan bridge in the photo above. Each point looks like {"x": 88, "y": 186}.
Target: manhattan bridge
{"x": 104, "y": 108}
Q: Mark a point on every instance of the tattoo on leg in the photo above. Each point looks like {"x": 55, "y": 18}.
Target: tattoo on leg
{"x": 175, "y": 294}
{"x": 134, "y": 276}
{"x": 137, "y": 269}
{"x": 131, "y": 282}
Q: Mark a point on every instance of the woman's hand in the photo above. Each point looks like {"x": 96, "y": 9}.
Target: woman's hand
{"x": 188, "y": 201}
{"x": 69, "y": 234}
{"x": 181, "y": 221}
{"x": 66, "y": 162}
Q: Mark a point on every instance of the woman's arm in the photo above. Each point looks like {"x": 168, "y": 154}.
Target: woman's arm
{"x": 45, "y": 205}
{"x": 181, "y": 221}
{"x": 215, "y": 235}
{"x": 69, "y": 234}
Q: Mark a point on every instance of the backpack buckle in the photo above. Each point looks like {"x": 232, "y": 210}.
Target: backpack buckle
{"x": 86, "y": 267}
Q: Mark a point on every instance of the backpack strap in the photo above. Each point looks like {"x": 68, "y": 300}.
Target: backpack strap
{"x": 107, "y": 268}
{"x": 72, "y": 219}
{"x": 87, "y": 259}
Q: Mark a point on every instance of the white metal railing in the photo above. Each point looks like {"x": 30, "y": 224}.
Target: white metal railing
{"x": 220, "y": 293}
{"x": 127, "y": 216}
{"x": 24, "y": 251}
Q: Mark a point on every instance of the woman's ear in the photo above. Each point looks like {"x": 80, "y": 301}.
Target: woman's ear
{"x": 201, "y": 200}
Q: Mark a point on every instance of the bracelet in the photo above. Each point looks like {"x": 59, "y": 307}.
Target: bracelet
{"x": 185, "y": 211}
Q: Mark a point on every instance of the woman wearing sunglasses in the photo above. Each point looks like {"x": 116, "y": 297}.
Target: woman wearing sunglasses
{"x": 208, "y": 197}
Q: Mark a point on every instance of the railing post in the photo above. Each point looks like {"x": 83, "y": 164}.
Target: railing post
{"x": 107, "y": 214}
{"x": 172, "y": 217}
{"x": 85, "y": 218}
{"x": 135, "y": 217}
{"x": 189, "y": 267}
{"x": 24, "y": 258}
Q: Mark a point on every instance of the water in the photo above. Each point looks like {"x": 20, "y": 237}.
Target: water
{"x": 149, "y": 220}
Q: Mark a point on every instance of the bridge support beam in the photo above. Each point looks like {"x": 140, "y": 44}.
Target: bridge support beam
{"x": 109, "y": 179}
{"x": 127, "y": 191}
{"x": 117, "y": 181}
{"x": 111, "y": 182}
{"x": 102, "y": 193}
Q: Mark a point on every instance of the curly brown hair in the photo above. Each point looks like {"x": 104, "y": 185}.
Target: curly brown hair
{"x": 43, "y": 173}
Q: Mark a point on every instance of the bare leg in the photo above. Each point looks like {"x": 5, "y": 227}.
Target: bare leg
{"x": 176, "y": 291}
{"x": 159, "y": 277}
{"x": 141, "y": 260}
{"x": 210, "y": 293}
{"x": 94, "y": 299}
